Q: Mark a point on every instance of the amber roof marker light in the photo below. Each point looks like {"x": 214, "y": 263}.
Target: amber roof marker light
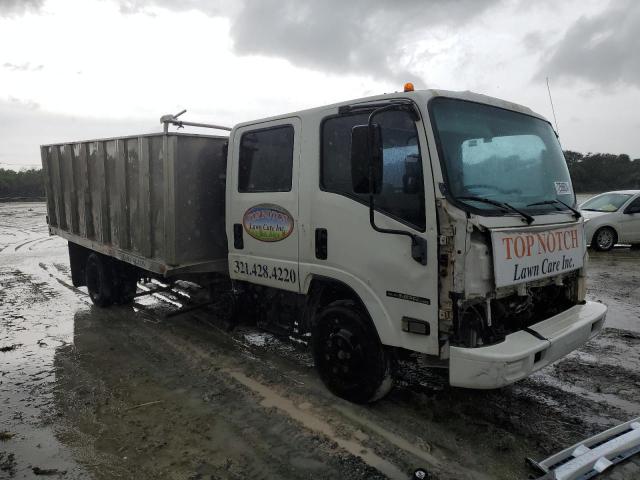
{"x": 408, "y": 87}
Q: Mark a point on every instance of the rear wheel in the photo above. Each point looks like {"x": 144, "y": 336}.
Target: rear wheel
{"x": 99, "y": 280}
{"x": 350, "y": 359}
{"x": 604, "y": 239}
{"x": 125, "y": 290}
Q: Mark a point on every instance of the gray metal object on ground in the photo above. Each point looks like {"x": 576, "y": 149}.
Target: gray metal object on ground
{"x": 588, "y": 458}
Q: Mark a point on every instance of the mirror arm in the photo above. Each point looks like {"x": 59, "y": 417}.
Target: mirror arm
{"x": 418, "y": 244}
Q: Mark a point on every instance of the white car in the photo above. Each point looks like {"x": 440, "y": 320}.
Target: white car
{"x": 613, "y": 217}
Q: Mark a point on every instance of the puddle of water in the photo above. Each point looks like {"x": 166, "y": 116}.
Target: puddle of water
{"x": 258, "y": 339}
{"x": 31, "y": 319}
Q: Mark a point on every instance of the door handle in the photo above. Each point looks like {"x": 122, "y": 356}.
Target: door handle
{"x": 238, "y": 240}
{"x": 321, "y": 243}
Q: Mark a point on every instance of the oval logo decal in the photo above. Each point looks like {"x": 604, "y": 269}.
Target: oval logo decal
{"x": 268, "y": 223}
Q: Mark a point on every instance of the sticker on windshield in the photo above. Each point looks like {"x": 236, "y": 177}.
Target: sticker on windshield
{"x": 268, "y": 223}
{"x": 563, "y": 188}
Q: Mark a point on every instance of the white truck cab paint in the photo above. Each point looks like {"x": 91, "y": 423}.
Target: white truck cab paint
{"x": 426, "y": 223}
{"x": 459, "y": 172}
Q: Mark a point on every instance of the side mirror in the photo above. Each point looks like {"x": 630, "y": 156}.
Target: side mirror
{"x": 366, "y": 152}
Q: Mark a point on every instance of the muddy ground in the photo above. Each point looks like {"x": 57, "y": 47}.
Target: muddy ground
{"x": 131, "y": 393}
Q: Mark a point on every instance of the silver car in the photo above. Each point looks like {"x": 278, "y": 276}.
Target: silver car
{"x": 613, "y": 217}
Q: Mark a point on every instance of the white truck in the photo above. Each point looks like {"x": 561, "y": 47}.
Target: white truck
{"x": 431, "y": 224}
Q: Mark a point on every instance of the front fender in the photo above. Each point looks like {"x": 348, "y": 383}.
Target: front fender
{"x": 388, "y": 332}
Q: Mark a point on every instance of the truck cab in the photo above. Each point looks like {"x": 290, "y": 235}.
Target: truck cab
{"x": 422, "y": 223}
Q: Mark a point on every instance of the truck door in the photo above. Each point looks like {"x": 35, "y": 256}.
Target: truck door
{"x": 400, "y": 293}
{"x": 262, "y": 204}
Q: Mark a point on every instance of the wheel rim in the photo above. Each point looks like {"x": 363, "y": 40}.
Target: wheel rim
{"x": 344, "y": 355}
{"x": 605, "y": 239}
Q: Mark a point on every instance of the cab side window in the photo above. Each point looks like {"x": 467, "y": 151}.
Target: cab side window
{"x": 266, "y": 160}
{"x": 402, "y": 195}
{"x": 634, "y": 206}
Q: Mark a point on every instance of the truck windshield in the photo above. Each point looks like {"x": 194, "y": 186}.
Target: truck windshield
{"x": 500, "y": 155}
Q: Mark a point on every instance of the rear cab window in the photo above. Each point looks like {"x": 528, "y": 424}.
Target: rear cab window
{"x": 266, "y": 160}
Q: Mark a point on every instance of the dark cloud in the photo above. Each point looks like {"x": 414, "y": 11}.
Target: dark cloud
{"x": 603, "y": 49}
{"x": 18, "y": 7}
{"x": 22, "y": 67}
{"x": 355, "y": 36}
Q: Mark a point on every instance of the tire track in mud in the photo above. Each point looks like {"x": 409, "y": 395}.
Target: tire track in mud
{"x": 181, "y": 361}
{"x": 395, "y": 449}
{"x": 218, "y": 407}
{"x": 546, "y": 396}
{"x": 315, "y": 424}
{"x": 306, "y": 419}
{"x": 39, "y": 243}
{"x": 30, "y": 242}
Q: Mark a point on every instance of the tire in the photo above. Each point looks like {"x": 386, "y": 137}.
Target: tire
{"x": 604, "y": 239}
{"x": 99, "y": 280}
{"x": 348, "y": 355}
{"x": 125, "y": 290}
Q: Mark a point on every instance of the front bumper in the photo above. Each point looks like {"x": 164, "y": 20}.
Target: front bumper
{"x": 522, "y": 353}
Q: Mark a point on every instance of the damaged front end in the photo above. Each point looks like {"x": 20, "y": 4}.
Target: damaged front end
{"x": 498, "y": 333}
{"x": 481, "y": 322}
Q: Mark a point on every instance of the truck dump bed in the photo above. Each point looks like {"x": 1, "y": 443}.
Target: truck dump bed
{"x": 155, "y": 201}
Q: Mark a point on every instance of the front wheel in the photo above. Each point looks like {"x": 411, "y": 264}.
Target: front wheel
{"x": 604, "y": 239}
{"x": 350, "y": 359}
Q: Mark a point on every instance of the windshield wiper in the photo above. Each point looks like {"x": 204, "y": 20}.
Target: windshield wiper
{"x": 503, "y": 205}
{"x": 576, "y": 213}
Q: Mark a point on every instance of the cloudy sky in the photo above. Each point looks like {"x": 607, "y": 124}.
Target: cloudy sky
{"x": 81, "y": 69}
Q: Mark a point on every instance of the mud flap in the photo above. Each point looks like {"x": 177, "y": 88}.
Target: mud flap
{"x": 77, "y": 261}
{"x": 589, "y": 458}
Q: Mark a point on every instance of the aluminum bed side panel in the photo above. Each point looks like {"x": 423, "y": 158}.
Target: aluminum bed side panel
{"x": 98, "y": 192}
{"x": 68, "y": 188}
{"x": 45, "y": 155}
{"x": 83, "y": 192}
{"x": 200, "y": 199}
{"x": 157, "y": 197}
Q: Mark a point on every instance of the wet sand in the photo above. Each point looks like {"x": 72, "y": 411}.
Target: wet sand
{"x": 131, "y": 393}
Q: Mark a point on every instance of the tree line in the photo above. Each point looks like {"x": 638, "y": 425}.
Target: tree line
{"x": 590, "y": 173}
{"x": 22, "y": 184}
{"x": 600, "y": 172}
